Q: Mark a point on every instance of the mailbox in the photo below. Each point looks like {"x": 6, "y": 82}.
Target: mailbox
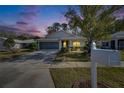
{"x": 105, "y": 56}
{"x": 102, "y": 56}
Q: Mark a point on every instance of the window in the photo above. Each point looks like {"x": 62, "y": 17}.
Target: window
{"x": 105, "y": 44}
{"x": 121, "y": 44}
{"x": 64, "y": 44}
{"x": 76, "y": 44}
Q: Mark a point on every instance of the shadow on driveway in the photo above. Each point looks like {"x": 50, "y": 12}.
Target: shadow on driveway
{"x": 44, "y": 56}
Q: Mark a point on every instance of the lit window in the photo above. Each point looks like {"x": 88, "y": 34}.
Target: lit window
{"x": 64, "y": 44}
{"x": 76, "y": 44}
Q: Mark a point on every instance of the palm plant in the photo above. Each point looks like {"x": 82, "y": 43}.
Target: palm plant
{"x": 94, "y": 21}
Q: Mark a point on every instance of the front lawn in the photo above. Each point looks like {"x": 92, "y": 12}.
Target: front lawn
{"x": 5, "y": 55}
{"x": 76, "y": 57}
{"x": 122, "y": 55}
{"x": 65, "y": 77}
{"x": 72, "y": 57}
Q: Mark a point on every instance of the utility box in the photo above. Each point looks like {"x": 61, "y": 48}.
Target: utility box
{"x": 105, "y": 56}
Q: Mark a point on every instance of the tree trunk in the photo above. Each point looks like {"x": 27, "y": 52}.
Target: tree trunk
{"x": 89, "y": 47}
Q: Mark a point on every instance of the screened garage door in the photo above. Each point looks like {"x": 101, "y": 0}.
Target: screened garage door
{"x": 49, "y": 45}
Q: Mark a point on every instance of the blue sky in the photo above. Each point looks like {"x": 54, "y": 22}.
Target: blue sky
{"x": 12, "y": 12}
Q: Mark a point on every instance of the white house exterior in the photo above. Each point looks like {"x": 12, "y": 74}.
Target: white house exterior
{"x": 18, "y": 43}
{"x": 2, "y": 48}
{"x": 116, "y": 42}
{"x": 23, "y": 43}
{"x": 61, "y": 39}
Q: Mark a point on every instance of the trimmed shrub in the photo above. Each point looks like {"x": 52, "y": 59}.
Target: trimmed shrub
{"x": 32, "y": 46}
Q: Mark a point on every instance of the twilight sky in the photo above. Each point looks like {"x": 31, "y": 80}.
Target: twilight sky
{"x": 34, "y": 19}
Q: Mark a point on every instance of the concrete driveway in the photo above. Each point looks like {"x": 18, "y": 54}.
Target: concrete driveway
{"x": 27, "y": 71}
{"x": 45, "y": 56}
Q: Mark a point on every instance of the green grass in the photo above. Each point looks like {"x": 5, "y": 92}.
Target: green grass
{"x": 72, "y": 57}
{"x": 122, "y": 55}
{"x": 77, "y": 57}
{"x": 65, "y": 77}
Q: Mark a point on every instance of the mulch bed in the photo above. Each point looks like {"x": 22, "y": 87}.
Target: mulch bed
{"x": 87, "y": 84}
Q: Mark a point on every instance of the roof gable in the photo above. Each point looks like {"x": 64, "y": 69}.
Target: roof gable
{"x": 62, "y": 35}
{"x": 118, "y": 34}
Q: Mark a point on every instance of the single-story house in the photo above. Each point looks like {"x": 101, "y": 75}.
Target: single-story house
{"x": 2, "y": 48}
{"x": 116, "y": 42}
{"x": 61, "y": 39}
{"x": 18, "y": 43}
{"x": 24, "y": 43}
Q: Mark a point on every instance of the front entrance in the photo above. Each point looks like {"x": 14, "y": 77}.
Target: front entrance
{"x": 65, "y": 44}
{"x": 76, "y": 46}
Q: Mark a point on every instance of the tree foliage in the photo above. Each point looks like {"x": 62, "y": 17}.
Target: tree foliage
{"x": 9, "y": 43}
{"x": 55, "y": 27}
{"x": 120, "y": 25}
{"x": 32, "y": 46}
{"x": 64, "y": 27}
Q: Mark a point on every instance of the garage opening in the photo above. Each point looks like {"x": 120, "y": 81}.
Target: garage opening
{"x": 49, "y": 45}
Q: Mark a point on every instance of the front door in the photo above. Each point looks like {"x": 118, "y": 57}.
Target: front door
{"x": 64, "y": 44}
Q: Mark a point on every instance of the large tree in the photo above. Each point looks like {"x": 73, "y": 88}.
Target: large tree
{"x": 56, "y": 26}
{"x": 64, "y": 27}
{"x": 95, "y": 22}
{"x": 53, "y": 28}
{"x": 50, "y": 30}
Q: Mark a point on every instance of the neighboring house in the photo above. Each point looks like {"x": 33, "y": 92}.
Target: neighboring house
{"x": 116, "y": 42}
{"x": 18, "y": 43}
{"x": 2, "y": 48}
{"x": 23, "y": 43}
{"x": 61, "y": 39}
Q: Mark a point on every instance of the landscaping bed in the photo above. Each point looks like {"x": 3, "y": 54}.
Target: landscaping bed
{"x": 72, "y": 57}
{"x": 87, "y": 84}
{"x": 66, "y": 77}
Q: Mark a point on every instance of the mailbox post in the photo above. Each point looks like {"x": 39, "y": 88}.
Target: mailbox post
{"x": 102, "y": 56}
{"x": 93, "y": 68}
